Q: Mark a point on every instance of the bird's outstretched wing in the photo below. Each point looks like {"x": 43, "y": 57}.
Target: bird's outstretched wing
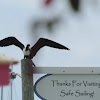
{"x": 11, "y": 41}
{"x": 45, "y": 42}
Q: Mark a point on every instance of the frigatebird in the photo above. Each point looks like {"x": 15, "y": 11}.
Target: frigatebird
{"x": 31, "y": 52}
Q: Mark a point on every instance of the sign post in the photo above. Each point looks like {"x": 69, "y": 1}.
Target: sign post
{"x": 27, "y": 79}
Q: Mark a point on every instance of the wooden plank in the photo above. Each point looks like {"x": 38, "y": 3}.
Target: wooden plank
{"x": 66, "y": 70}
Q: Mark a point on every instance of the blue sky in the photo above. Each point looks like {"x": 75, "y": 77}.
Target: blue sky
{"x": 79, "y": 32}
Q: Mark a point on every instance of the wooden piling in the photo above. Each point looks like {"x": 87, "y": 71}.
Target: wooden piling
{"x": 27, "y": 79}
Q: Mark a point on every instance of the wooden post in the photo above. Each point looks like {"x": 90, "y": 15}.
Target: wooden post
{"x": 27, "y": 79}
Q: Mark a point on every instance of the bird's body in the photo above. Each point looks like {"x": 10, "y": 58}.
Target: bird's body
{"x": 31, "y": 52}
{"x": 26, "y": 52}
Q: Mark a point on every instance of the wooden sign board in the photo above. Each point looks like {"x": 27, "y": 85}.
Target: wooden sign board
{"x": 79, "y": 85}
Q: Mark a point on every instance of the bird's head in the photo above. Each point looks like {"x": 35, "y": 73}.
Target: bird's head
{"x": 27, "y": 47}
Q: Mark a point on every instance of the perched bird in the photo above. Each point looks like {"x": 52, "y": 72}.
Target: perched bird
{"x": 31, "y": 52}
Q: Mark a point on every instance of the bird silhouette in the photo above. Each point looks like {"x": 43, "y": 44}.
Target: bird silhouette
{"x": 31, "y": 52}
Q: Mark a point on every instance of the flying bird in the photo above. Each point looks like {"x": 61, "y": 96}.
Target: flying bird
{"x": 31, "y": 52}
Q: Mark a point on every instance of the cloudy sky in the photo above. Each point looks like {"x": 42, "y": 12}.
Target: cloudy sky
{"x": 79, "y": 32}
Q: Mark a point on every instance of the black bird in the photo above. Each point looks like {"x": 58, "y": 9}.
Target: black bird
{"x": 31, "y": 52}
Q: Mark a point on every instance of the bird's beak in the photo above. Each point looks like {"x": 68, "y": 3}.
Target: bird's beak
{"x": 68, "y": 49}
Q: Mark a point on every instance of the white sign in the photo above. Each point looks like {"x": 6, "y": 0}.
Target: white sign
{"x": 68, "y": 87}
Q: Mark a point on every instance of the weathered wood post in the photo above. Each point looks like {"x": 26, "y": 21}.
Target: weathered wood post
{"x": 27, "y": 79}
